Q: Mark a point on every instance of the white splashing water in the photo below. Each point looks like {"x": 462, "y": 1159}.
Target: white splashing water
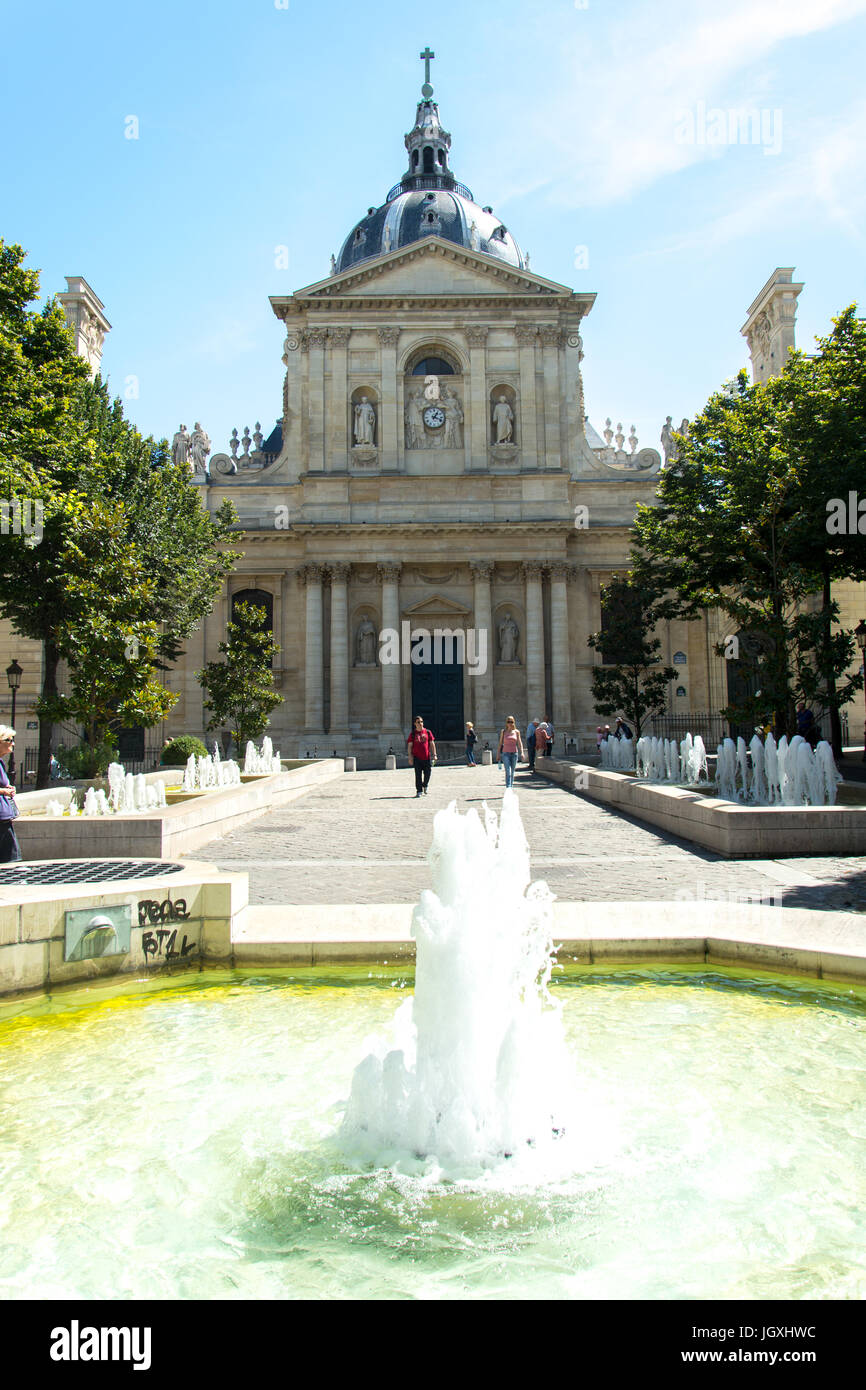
{"x": 478, "y": 1073}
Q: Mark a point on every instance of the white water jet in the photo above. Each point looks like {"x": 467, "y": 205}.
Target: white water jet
{"x": 726, "y": 770}
{"x": 758, "y": 788}
{"x": 266, "y": 761}
{"x": 771, "y": 769}
{"x": 478, "y": 1072}
{"x": 831, "y": 776}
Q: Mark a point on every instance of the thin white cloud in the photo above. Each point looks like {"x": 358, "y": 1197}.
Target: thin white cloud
{"x": 626, "y": 84}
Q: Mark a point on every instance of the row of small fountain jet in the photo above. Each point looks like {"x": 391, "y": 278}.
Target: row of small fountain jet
{"x": 130, "y": 794}
{"x": 762, "y": 773}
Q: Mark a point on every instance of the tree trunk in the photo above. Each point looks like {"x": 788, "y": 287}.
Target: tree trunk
{"x": 50, "y": 663}
{"x": 829, "y": 676}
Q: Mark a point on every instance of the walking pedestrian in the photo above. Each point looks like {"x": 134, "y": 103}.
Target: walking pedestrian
{"x": 510, "y": 746}
{"x": 551, "y": 734}
{"x": 471, "y": 740}
{"x": 10, "y": 850}
{"x": 622, "y": 729}
{"x": 530, "y": 742}
{"x": 541, "y": 739}
{"x": 421, "y": 747}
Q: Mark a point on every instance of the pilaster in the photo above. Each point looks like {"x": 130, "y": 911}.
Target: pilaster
{"x": 388, "y": 425}
{"x": 311, "y": 577}
{"x": 389, "y": 578}
{"x": 532, "y": 573}
{"x": 482, "y": 684}
{"x": 478, "y": 411}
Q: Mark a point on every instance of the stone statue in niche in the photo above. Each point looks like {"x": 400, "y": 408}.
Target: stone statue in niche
{"x": 503, "y": 421}
{"x": 365, "y": 644}
{"x": 365, "y": 422}
{"x": 509, "y": 635}
{"x": 453, "y": 419}
{"x": 200, "y": 447}
{"x": 180, "y": 447}
{"x": 415, "y": 419}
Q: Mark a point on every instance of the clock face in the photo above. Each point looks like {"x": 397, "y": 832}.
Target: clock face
{"x": 434, "y": 416}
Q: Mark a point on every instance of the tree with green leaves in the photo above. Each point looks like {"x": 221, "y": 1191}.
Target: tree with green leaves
{"x": 240, "y": 690}
{"x": 741, "y": 525}
{"x": 631, "y": 679}
{"x": 125, "y": 561}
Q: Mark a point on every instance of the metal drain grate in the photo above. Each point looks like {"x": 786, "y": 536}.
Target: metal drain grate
{"x": 85, "y": 871}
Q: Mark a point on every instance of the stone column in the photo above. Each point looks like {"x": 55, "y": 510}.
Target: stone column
{"x": 477, "y": 408}
{"x": 338, "y": 405}
{"x": 528, "y": 435}
{"x": 482, "y": 684}
{"x": 560, "y": 664}
{"x": 389, "y": 578}
{"x": 314, "y": 340}
{"x": 339, "y": 651}
{"x": 532, "y": 571}
{"x": 311, "y": 577}
{"x": 552, "y": 396}
{"x": 388, "y": 434}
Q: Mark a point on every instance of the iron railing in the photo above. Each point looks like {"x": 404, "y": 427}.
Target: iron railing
{"x": 418, "y": 181}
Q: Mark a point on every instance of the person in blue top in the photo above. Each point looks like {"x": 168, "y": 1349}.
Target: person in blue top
{"x": 10, "y": 850}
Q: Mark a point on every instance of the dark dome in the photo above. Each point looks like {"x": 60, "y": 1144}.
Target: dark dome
{"x": 428, "y": 201}
{"x": 409, "y": 216}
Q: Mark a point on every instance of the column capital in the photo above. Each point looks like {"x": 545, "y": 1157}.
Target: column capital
{"x": 476, "y": 334}
{"x": 532, "y": 570}
{"x": 481, "y": 569}
{"x": 563, "y": 569}
{"x": 550, "y": 335}
{"x": 314, "y": 338}
{"x": 309, "y": 574}
{"x": 388, "y": 571}
{"x": 339, "y": 571}
{"x": 525, "y": 333}
{"x": 339, "y": 336}
{"x": 388, "y": 336}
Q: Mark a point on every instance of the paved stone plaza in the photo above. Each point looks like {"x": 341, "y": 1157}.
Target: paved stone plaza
{"x": 364, "y": 838}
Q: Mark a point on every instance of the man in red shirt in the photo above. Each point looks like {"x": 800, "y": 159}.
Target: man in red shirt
{"x": 421, "y": 747}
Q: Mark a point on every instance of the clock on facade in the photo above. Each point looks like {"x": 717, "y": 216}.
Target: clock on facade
{"x": 434, "y": 416}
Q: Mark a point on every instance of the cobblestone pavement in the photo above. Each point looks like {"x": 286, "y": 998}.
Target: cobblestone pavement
{"x": 364, "y": 838}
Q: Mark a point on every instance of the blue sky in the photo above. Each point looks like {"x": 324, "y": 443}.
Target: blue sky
{"x": 262, "y": 127}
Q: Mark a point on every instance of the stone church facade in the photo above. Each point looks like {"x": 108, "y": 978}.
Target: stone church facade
{"x": 432, "y": 470}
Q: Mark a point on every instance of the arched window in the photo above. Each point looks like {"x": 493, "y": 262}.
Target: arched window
{"x": 432, "y": 366}
{"x": 428, "y": 159}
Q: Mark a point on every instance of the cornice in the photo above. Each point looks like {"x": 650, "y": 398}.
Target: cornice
{"x": 337, "y": 289}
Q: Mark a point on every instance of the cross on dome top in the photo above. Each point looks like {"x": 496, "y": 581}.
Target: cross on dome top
{"x": 427, "y": 90}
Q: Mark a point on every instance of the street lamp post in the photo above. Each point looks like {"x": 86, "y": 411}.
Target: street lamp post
{"x": 860, "y": 634}
{"x": 13, "y": 676}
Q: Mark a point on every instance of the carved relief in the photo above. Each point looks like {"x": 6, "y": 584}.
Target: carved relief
{"x": 476, "y": 334}
{"x": 388, "y": 337}
{"x": 433, "y": 417}
{"x": 388, "y": 571}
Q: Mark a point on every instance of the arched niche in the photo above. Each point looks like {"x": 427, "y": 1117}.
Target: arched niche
{"x": 500, "y": 420}
{"x": 366, "y": 397}
{"x": 509, "y": 635}
{"x": 433, "y": 397}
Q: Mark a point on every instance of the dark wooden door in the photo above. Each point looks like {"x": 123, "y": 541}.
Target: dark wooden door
{"x": 437, "y": 695}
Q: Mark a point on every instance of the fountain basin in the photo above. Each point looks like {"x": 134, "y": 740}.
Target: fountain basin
{"x": 717, "y": 1159}
{"x": 174, "y": 830}
{"x": 734, "y": 831}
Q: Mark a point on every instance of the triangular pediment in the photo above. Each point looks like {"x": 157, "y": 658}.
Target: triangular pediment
{"x": 437, "y": 605}
{"x": 433, "y": 267}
